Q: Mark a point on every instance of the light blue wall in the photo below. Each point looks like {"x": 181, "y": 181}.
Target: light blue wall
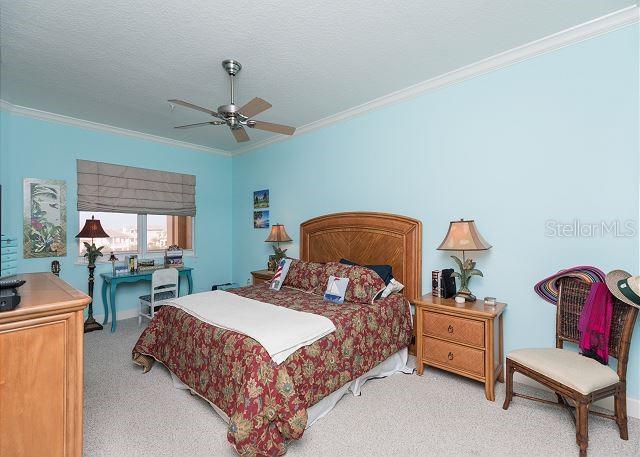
{"x": 551, "y": 138}
{"x": 33, "y": 148}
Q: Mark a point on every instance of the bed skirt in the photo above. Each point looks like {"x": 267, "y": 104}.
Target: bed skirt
{"x": 397, "y": 363}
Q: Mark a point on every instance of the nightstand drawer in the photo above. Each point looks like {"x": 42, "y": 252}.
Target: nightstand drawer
{"x": 454, "y": 356}
{"x": 453, "y": 328}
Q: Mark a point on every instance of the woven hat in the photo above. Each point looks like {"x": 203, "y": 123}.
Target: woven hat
{"x": 548, "y": 287}
{"x": 624, "y": 287}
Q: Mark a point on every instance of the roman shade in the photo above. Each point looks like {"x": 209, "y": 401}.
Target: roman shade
{"x": 120, "y": 189}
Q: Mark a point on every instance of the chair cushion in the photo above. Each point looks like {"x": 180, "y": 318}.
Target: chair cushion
{"x": 159, "y": 296}
{"x": 567, "y": 367}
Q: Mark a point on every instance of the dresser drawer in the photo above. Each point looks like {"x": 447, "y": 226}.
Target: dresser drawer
{"x": 453, "y": 356}
{"x": 453, "y": 328}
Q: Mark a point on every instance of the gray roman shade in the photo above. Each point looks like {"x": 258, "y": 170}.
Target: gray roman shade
{"x": 120, "y": 189}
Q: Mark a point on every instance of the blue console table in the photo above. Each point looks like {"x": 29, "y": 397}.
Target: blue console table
{"x": 111, "y": 281}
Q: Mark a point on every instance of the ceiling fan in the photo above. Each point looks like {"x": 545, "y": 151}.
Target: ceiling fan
{"x": 236, "y": 117}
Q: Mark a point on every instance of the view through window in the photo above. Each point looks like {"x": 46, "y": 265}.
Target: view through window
{"x": 121, "y": 228}
{"x": 164, "y": 231}
{"x": 124, "y": 236}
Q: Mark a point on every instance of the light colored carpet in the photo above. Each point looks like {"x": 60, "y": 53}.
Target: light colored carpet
{"x": 131, "y": 414}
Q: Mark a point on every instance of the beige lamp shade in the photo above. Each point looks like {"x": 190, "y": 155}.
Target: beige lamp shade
{"x": 278, "y": 234}
{"x": 463, "y": 236}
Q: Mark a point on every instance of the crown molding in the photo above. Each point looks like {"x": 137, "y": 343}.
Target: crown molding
{"x": 53, "y": 117}
{"x": 595, "y": 27}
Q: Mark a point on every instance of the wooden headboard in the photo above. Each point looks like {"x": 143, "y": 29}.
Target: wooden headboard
{"x": 368, "y": 239}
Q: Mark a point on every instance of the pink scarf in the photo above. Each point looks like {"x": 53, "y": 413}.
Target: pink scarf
{"x": 595, "y": 323}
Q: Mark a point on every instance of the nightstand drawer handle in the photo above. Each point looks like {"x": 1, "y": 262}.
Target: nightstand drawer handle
{"x": 450, "y": 356}
{"x": 450, "y": 329}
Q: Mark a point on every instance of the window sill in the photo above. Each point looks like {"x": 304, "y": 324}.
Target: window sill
{"x": 104, "y": 260}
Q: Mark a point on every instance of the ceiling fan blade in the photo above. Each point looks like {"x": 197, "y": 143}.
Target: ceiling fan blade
{"x": 192, "y": 106}
{"x": 240, "y": 134}
{"x": 199, "y": 124}
{"x": 254, "y": 107}
{"x": 269, "y": 127}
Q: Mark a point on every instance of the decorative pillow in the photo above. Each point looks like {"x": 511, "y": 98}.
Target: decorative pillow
{"x": 384, "y": 271}
{"x": 280, "y": 275}
{"x": 364, "y": 284}
{"x": 309, "y": 276}
{"x": 393, "y": 286}
{"x": 336, "y": 289}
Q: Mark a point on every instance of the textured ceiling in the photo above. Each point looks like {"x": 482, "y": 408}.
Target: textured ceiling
{"x": 117, "y": 62}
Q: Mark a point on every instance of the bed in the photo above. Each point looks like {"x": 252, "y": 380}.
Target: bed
{"x": 267, "y": 404}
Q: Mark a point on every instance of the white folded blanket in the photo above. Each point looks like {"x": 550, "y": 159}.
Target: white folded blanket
{"x": 281, "y": 331}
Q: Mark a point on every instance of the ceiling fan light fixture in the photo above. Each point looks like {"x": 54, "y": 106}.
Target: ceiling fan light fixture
{"x": 232, "y": 115}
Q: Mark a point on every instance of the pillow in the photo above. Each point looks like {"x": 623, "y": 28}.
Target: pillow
{"x": 280, "y": 275}
{"x": 393, "y": 286}
{"x": 336, "y": 289}
{"x": 384, "y": 271}
{"x": 364, "y": 283}
{"x": 309, "y": 276}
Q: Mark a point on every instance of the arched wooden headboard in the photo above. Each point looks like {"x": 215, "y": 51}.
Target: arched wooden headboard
{"x": 368, "y": 239}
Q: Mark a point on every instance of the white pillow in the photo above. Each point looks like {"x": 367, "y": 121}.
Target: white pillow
{"x": 336, "y": 289}
{"x": 393, "y": 286}
{"x": 280, "y": 274}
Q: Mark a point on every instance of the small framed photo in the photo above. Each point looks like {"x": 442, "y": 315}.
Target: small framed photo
{"x": 261, "y": 219}
{"x": 261, "y": 199}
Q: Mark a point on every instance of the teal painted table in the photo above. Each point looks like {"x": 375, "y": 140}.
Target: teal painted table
{"x": 111, "y": 282}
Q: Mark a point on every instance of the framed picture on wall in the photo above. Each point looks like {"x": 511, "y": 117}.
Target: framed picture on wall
{"x": 45, "y": 218}
{"x": 261, "y": 219}
{"x": 261, "y": 199}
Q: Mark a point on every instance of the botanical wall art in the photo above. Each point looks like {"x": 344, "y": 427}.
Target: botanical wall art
{"x": 45, "y": 218}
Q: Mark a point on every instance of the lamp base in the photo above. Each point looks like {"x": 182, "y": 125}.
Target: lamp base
{"x": 90, "y": 325}
{"x": 468, "y": 296}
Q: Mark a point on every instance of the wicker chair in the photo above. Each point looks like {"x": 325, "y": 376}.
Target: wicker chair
{"x": 581, "y": 380}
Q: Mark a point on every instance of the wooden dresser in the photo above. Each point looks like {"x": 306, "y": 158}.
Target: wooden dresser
{"x": 41, "y": 370}
{"x": 462, "y": 338}
{"x": 260, "y": 276}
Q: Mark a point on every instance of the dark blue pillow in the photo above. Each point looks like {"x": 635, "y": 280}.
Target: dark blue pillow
{"x": 384, "y": 271}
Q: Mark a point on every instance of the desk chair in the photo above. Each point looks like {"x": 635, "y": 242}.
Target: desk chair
{"x": 164, "y": 287}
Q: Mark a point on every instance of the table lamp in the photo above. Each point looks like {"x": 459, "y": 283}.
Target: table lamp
{"x": 278, "y": 235}
{"x": 464, "y": 236}
{"x": 92, "y": 229}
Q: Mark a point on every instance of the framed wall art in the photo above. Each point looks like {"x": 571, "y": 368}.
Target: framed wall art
{"x": 45, "y": 218}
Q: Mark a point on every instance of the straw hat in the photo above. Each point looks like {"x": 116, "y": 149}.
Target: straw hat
{"x": 548, "y": 287}
{"x": 624, "y": 287}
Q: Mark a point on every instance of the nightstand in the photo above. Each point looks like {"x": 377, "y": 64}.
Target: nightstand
{"x": 465, "y": 339}
{"x": 261, "y": 276}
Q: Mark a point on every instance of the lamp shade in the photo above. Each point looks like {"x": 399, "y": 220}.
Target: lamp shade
{"x": 278, "y": 234}
{"x": 463, "y": 236}
{"x": 92, "y": 229}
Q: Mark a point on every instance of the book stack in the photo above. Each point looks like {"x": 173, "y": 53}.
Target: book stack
{"x": 436, "y": 283}
{"x": 173, "y": 258}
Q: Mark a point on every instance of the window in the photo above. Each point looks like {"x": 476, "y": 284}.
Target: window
{"x": 154, "y": 233}
{"x": 164, "y": 231}
{"x": 122, "y": 230}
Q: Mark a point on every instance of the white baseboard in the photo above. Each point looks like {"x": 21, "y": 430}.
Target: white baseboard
{"x": 633, "y": 404}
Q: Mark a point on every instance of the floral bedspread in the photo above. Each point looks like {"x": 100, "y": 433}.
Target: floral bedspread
{"x": 267, "y": 403}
